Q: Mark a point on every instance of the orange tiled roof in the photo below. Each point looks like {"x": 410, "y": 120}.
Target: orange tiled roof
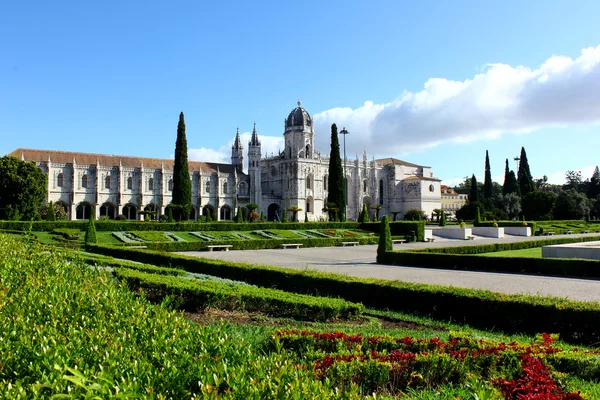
{"x": 395, "y": 161}
{"x": 66, "y": 157}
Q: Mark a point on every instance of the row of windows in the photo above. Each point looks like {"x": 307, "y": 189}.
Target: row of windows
{"x": 107, "y": 184}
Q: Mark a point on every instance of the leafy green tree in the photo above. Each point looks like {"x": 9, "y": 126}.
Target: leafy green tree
{"x": 252, "y": 214}
{"x": 294, "y": 210}
{"x": 572, "y": 204}
{"x": 538, "y": 205}
{"x": 573, "y": 180}
{"x": 335, "y": 184}
{"x": 474, "y": 193}
{"x": 51, "y": 215}
{"x": 90, "y": 233}
{"x": 487, "y": 182}
{"x": 524, "y": 175}
{"x": 385, "y": 239}
{"x": 511, "y": 205}
{"x": 182, "y": 186}
{"x": 414, "y": 214}
{"x": 377, "y": 208}
{"x": 22, "y": 189}
{"x": 468, "y": 211}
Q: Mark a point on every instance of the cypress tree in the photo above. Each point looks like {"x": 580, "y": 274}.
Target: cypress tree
{"x": 524, "y": 175}
{"x": 594, "y": 186}
{"x": 182, "y": 186}
{"x": 305, "y": 216}
{"x": 262, "y": 216}
{"x": 385, "y": 239}
{"x": 239, "y": 217}
{"x": 170, "y": 214}
{"x": 487, "y": 182}
{"x": 477, "y": 218}
{"x": 364, "y": 214}
{"x": 443, "y": 219}
{"x": 510, "y": 181}
{"x": 473, "y": 196}
{"x": 335, "y": 184}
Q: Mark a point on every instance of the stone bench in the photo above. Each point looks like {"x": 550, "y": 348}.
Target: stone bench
{"x": 549, "y": 233}
{"x": 430, "y": 239}
{"x": 569, "y": 232}
{"x": 586, "y": 231}
{"x": 291, "y": 245}
{"x": 350, "y": 243}
{"x": 400, "y": 241}
{"x": 471, "y": 237}
{"x": 224, "y": 247}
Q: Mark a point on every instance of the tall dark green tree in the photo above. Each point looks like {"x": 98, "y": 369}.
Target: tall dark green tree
{"x": 385, "y": 239}
{"x": 487, "y": 182}
{"x": 22, "y": 189}
{"x": 510, "y": 182}
{"x": 182, "y": 186}
{"x": 473, "y": 195}
{"x": 335, "y": 184}
{"x": 594, "y": 186}
{"x": 524, "y": 175}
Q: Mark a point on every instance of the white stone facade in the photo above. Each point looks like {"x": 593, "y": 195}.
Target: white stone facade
{"x": 115, "y": 185}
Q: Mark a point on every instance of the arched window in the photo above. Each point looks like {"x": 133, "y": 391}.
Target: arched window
{"x": 84, "y": 181}
{"x": 381, "y": 191}
{"x": 325, "y": 182}
{"x": 107, "y": 182}
{"x": 170, "y": 185}
{"x": 365, "y": 186}
{"x": 307, "y": 151}
{"x": 309, "y": 182}
{"x": 224, "y": 187}
{"x": 309, "y": 204}
{"x": 130, "y": 183}
{"x": 207, "y": 187}
{"x": 59, "y": 180}
{"x": 243, "y": 189}
{"x": 151, "y": 184}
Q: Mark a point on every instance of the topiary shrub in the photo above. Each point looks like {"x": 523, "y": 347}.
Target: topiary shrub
{"x": 385, "y": 239}
{"x": 443, "y": 219}
{"x": 90, "y": 233}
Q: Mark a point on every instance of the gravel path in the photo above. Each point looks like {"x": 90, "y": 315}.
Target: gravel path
{"x": 359, "y": 261}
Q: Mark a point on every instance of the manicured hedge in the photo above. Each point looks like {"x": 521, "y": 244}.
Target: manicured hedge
{"x": 399, "y": 228}
{"x": 119, "y": 226}
{"x": 574, "y": 320}
{"x": 194, "y": 295}
{"x": 254, "y": 244}
{"x": 489, "y": 224}
{"x": 466, "y": 258}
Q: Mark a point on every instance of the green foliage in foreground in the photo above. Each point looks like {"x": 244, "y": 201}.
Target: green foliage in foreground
{"x": 69, "y": 330}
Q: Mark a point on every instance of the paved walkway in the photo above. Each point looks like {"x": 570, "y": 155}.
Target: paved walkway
{"x": 359, "y": 261}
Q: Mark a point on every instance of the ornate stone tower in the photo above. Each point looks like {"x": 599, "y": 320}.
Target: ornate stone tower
{"x": 254, "y": 154}
{"x": 237, "y": 153}
{"x": 299, "y": 134}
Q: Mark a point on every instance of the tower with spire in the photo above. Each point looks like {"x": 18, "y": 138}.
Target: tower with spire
{"x": 237, "y": 152}
{"x": 254, "y": 155}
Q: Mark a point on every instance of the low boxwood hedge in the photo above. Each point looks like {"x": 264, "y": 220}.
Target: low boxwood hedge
{"x": 399, "y": 228}
{"x": 574, "y": 320}
{"x": 194, "y": 295}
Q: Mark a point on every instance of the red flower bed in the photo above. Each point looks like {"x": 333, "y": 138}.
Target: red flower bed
{"x": 392, "y": 364}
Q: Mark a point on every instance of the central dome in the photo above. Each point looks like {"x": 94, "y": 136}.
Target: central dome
{"x": 298, "y": 118}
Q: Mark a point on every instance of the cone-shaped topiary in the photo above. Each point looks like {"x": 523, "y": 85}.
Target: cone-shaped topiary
{"x": 477, "y": 219}
{"x": 443, "y": 219}
{"x": 262, "y": 216}
{"x": 284, "y": 219}
{"x": 182, "y": 186}
{"x": 239, "y": 217}
{"x": 90, "y": 233}
{"x": 170, "y": 214}
{"x": 305, "y": 216}
{"x": 385, "y": 239}
{"x": 364, "y": 214}
{"x": 51, "y": 213}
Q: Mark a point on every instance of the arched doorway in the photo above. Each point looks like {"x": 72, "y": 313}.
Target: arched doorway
{"x": 225, "y": 213}
{"x": 310, "y": 205}
{"x": 274, "y": 212}
{"x": 209, "y": 210}
{"x": 83, "y": 210}
{"x": 65, "y": 208}
{"x": 129, "y": 211}
{"x": 108, "y": 210}
{"x": 151, "y": 211}
{"x": 192, "y": 213}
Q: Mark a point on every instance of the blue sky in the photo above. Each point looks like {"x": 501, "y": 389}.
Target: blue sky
{"x": 434, "y": 83}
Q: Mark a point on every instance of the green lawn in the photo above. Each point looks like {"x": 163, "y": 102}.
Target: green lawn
{"x": 536, "y": 252}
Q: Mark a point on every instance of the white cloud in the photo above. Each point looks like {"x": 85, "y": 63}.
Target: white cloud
{"x": 558, "y": 177}
{"x": 500, "y": 99}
